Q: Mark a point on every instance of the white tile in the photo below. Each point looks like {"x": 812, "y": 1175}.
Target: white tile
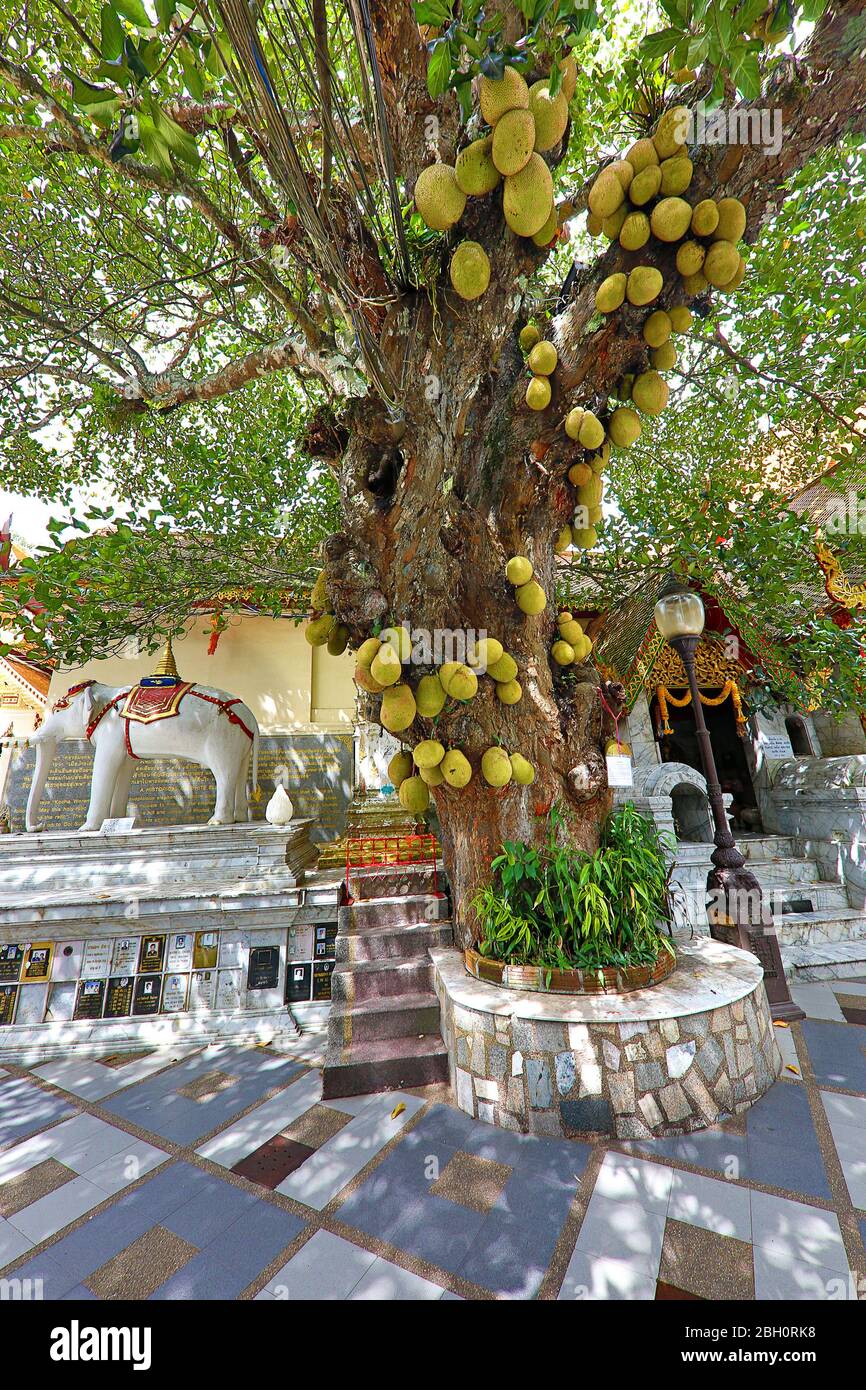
{"x": 351, "y": 1105}
{"x": 327, "y": 1267}
{"x": 13, "y": 1243}
{"x": 51, "y": 1213}
{"x": 711, "y": 1204}
{"x": 117, "y": 1171}
{"x": 15, "y": 1161}
{"x": 793, "y": 1232}
{"x": 264, "y": 1122}
{"x": 624, "y": 1231}
{"x": 599, "y": 1278}
{"x": 844, "y": 1110}
{"x": 785, "y": 1043}
{"x": 793, "y": 1280}
{"x": 85, "y": 1140}
{"x": 339, "y": 1160}
{"x": 86, "y": 1078}
{"x": 386, "y": 1283}
{"x": 817, "y": 1001}
{"x": 850, "y": 1141}
{"x": 623, "y": 1178}
{"x": 848, "y": 987}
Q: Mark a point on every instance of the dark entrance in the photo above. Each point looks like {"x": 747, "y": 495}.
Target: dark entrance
{"x": 682, "y": 747}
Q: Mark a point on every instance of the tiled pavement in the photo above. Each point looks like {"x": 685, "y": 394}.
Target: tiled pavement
{"x": 219, "y": 1173}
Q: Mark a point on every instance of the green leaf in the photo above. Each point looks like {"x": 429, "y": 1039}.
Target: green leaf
{"x": 154, "y": 147}
{"x": 436, "y": 13}
{"x": 111, "y": 34}
{"x": 439, "y": 69}
{"x": 134, "y": 11}
{"x": 179, "y": 141}
{"x": 657, "y": 45}
{"x": 165, "y": 12}
{"x": 749, "y": 77}
{"x": 85, "y": 93}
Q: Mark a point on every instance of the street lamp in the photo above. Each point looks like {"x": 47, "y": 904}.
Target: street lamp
{"x": 737, "y": 902}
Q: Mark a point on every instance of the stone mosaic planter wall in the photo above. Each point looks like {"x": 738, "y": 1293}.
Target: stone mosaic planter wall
{"x": 547, "y": 981}
{"x": 690, "y": 1052}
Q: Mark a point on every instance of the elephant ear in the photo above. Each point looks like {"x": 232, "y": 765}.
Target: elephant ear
{"x": 87, "y": 704}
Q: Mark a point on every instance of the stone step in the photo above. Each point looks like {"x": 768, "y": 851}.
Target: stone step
{"x": 393, "y": 1064}
{"x": 814, "y": 929}
{"x": 834, "y": 961}
{"x": 397, "y": 880}
{"x": 392, "y": 943}
{"x": 783, "y": 871}
{"x": 822, "y": 896}
{"x": 381, "y": 979}
{"x": 393, "y": 912}
{"x": 370, "y": 1020}
{"x": 766, "y": 847}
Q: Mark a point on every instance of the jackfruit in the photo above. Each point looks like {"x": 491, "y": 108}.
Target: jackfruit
{"x": 474, "y": 170}
{"x": 623, "y": 387}
{"x": 522, "y": 770}
{"x": 642, "y": 155}
{"x": 509, "y": 692}
{"x": 562, "y": 653}
{"x": 684, "y": 75}
{"x": 570, "y": 631}
{"x": 582, "y": 649}
{"x": 531, "y": 598}
{"x": 690, "y": 257}
{"x": 542, "y": 359}
{"x": 513, "y": 141}
{"x": 705, "y": 217}
{"x": 538, "y": 393}
{"x": 644, "y": 284}
{"x": 599, "y": 461}
{"x": 732, "y": 220}
{"x": 739, "y": 276}
{"x": 438, "y": 197}
{"x": 681, "y": 318}
{"x": 568, "y": 68}
{"x": 470, "y": 270}
{"x": 503, "y": 670}
{"x": 606, "y": 195}
{"x": 591, "y": 434}
{"x": 695, "y": 284}
{"x": 456, "y": 768}
{"x": 611, "y": 293}
{"x": 721, "y": 264}
{"x": 338, "y": 640}
{"x": 496, "y": 96}
{"x": 398, "y": 708}
{"x": 414, "y": 795}
{"x": 676, "y": 175}
{"x": 623, "y": 171}
{"x": 318, "y": 630}
{"x": 650, "y": 393}
{"x": 428, "y": 753}
{"x": 496, "y": 767}
{"x": 518, "y": 570}
{"x": 431, "y": 776}
{"x": 572, "y": 422}
{"x": 529, "y": 336}
{"x": 664, "y": 358}
{"x": 550, "y": 113}
{"x": 635, "y": 231}
{"x": 399, "y": 639}
{"x": 595, "y": 515}
{"x": 463, "y": 683}
{"x": 672, "y": 131}
{"x": 579, "y": 473}
{"x": 430, "y": 696}
{"x": 367, "y": 651}
{"x": 671, "y": 219}
{"x": 545, "y": 236}
{"x": 363, "y": 678}
{"x": 585, "y": 538}
{"x": 612, "y": 226}
{"x": 319, "y": 593}
{"x": 446, "y": 671}
{"x": 486, "y": 651}
{"x": 645, "y": 185}
{"x": 590, "y": 493}
{"x": 527, "y": 197}
{"x": 657, "y": 328}
{"x": 593, "y": 224}
{"x": 400, "y": 767}
{"x": 563, "y": 541}
{"x": 385, "y": 666}
{"x": 614, "y": 748}
{"x": 624, "y": 427}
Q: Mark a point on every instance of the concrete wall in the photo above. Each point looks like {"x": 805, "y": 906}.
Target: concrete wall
{"x": 840, "y": 738}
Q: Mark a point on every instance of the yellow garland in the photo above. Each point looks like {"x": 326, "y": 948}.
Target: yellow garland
{"x": 730, "y": 687}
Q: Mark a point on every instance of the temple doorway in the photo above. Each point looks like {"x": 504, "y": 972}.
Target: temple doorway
{"x": 728, "y": 749}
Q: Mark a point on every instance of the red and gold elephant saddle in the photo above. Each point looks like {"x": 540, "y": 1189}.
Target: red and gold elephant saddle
{"x": 146, "y": 703}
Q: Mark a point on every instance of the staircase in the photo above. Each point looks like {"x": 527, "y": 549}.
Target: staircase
{"x": 820, "y": 935}
{"x": 383, "y": 1030}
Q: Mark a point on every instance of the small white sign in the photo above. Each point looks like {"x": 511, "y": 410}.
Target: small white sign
{"x": 776, "y": 746}
{"x": 117, "y": 825}
{"x": 619, "y": 773}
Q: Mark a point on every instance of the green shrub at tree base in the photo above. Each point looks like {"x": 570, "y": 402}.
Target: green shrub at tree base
{"x": 564, "y": 909}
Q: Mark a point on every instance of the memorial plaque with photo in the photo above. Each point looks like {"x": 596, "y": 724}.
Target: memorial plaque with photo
{"x": 152, "y": 955}
{"x": 88, "y": 1003}
{"x": 125, "y": 956}
{"x": 174, "y": 992}
{"x": 179, "y": 958}
{"x": 10, "y": 963}
{"x": 8, "y": 998}
{"x": 145, "y": 999}
{"x": 96, "y": 962}
{"x": 299, "y": 981}
{"x": 228, "y": 995}
{"x": 326, "y": 943}
{"x": 322, "y": 971}
{"x": 206, "y": 947}
{"x": 67, "y": 960}
{"x": 202, "y": 990}
{"x": 118, "y": 998}
{"x": 264, "y": 967}
{"x": 37, "y": 960}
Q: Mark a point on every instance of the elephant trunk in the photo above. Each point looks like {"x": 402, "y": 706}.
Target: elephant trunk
{"x": 45, "y": 751}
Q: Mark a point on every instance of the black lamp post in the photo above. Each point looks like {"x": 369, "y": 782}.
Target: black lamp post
{"x": 736, "y": 907}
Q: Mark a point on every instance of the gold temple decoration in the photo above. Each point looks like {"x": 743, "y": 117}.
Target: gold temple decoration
{"x": 715, "y": 671}
{"x": 166, "y": 665}
{"x": 849, "y": 595}
{"x": 730, "y": 688}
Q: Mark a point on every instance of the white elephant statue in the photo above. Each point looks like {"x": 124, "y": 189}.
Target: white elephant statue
{"x": 204, "y": 730}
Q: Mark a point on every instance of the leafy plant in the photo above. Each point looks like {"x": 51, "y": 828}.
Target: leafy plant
{"x": 560, "y": 908}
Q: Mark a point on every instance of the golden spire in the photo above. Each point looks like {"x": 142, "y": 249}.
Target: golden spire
{"x": 166, "y": 665}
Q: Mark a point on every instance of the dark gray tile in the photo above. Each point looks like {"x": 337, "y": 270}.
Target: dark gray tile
{"x": 837, "y": 1053}
{"x": 782, "y": 1116}
{"x": 706, "y": 1148}
{"x": 253, "y": 1241}
{"x": 507, "y": 1257}
{"x": 208, "y": 1213}
{"x": 797, "y": 1170}
{"x": 437, "y": 1230}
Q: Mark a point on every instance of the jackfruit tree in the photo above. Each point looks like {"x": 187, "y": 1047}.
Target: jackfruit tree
{"x": 394, "y": 291}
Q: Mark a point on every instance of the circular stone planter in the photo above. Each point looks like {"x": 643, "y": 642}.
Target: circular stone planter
{"x": 611, "y": 980}
{"x": 692, "y": 1051}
